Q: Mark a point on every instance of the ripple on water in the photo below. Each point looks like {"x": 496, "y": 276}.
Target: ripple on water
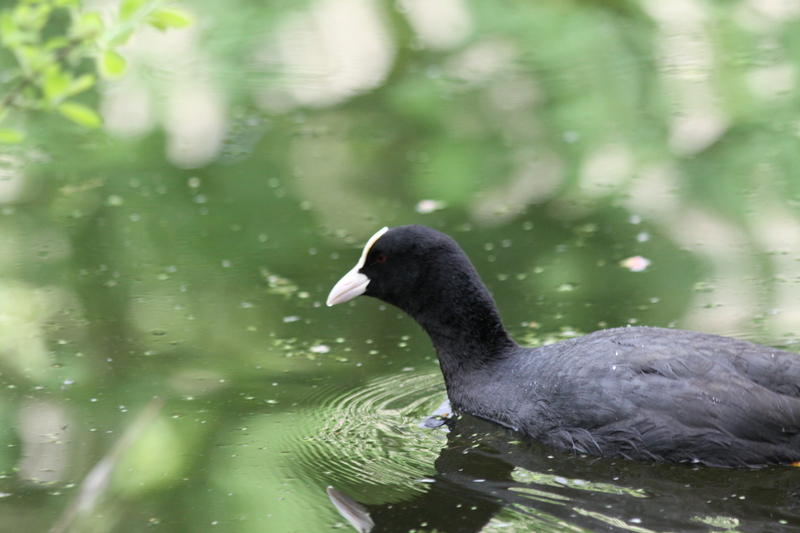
{"x": 369, "y": 437}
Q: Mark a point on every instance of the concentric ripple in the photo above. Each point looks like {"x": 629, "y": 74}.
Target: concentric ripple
{"x": 370, "y": 436}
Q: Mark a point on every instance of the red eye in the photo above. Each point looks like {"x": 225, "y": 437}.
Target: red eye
{"x": 381, "y": 258}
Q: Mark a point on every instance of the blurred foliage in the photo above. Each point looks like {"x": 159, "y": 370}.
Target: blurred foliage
{"x": 185, "y": 249}
{"x": 60, "y": 48}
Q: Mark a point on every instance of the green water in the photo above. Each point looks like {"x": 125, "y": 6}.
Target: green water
{"x": 162, "y": 281}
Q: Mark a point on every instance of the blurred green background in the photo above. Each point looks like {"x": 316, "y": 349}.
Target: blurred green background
{"x": 184, "y": 250}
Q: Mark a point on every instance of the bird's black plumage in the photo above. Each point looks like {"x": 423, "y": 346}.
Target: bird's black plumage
{"x": 636, "y": 392}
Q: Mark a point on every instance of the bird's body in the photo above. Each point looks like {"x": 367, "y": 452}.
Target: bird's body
{"x": 646, "y": 393}
{"x": 636, "y": 392}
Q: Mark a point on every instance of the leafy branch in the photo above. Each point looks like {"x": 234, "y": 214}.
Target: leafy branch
{"x": 57, "y": 60}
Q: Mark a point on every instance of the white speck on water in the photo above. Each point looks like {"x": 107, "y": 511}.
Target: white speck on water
{"x": 635, "y": 219}
{"x": 635, "y": 520}
{"x": 288, "y": 319}
{"x": 226, "y": 263}
{"x": 636, "y": 263}
{"x": 320, "y": 348}
{"x": 643, "y": 237}
{"x": 429, "y": 206}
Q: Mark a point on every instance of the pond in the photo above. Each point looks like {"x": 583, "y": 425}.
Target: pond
{"x": 167, "y": 360}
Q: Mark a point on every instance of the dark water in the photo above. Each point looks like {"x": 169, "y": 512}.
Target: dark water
{"x": 167, "y": 362}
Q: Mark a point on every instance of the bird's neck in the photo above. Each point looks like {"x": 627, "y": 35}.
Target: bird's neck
{"x": 469, "y": 335}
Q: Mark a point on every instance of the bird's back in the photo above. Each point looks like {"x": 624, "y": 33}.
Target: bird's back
{"x": 650, "y": 393}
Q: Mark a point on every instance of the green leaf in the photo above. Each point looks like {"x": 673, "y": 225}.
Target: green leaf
{"x": 56, "y": 84}
{"x": 90, "y": 25}
{"x": 169, "y": 18}
{"x": 129, "y": 8}
{"x": 32, "y": 16}
{"x": 10, "y": 34}
{"x": 111, "y": 65}
{"x": 84, "y": 82}
{"x": 33, "y": 59}
{"x": 56, "y": 42}
{"x": 80, "y": 114}
{"x": 9, "y": 136}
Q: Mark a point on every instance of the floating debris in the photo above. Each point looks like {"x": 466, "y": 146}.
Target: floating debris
{"x": 636, "y": 263}
{"x": 278, "y": 284}
{"x": 115, "y": 200}
{"x": 536, "y": 339}
{"x": 429, "y": 206}
{"x": 320, "y": 348}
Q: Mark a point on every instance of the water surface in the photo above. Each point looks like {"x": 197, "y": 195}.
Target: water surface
{"x": 167, "y": 362}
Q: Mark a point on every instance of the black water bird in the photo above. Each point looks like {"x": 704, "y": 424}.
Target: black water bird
{"x": 636, "y": 392}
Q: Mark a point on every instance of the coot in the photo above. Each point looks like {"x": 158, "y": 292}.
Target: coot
{"x": 635, "y": 392}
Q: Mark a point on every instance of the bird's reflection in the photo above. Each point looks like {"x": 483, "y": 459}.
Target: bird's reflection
{"x": 484, "y": 471}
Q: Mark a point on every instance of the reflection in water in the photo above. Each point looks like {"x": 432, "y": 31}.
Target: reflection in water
{"x": 336, "y": 49}
{"x": 491, "y": 479}
{"x": 45, "y": 435}
{"x": 97, "y": 481}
